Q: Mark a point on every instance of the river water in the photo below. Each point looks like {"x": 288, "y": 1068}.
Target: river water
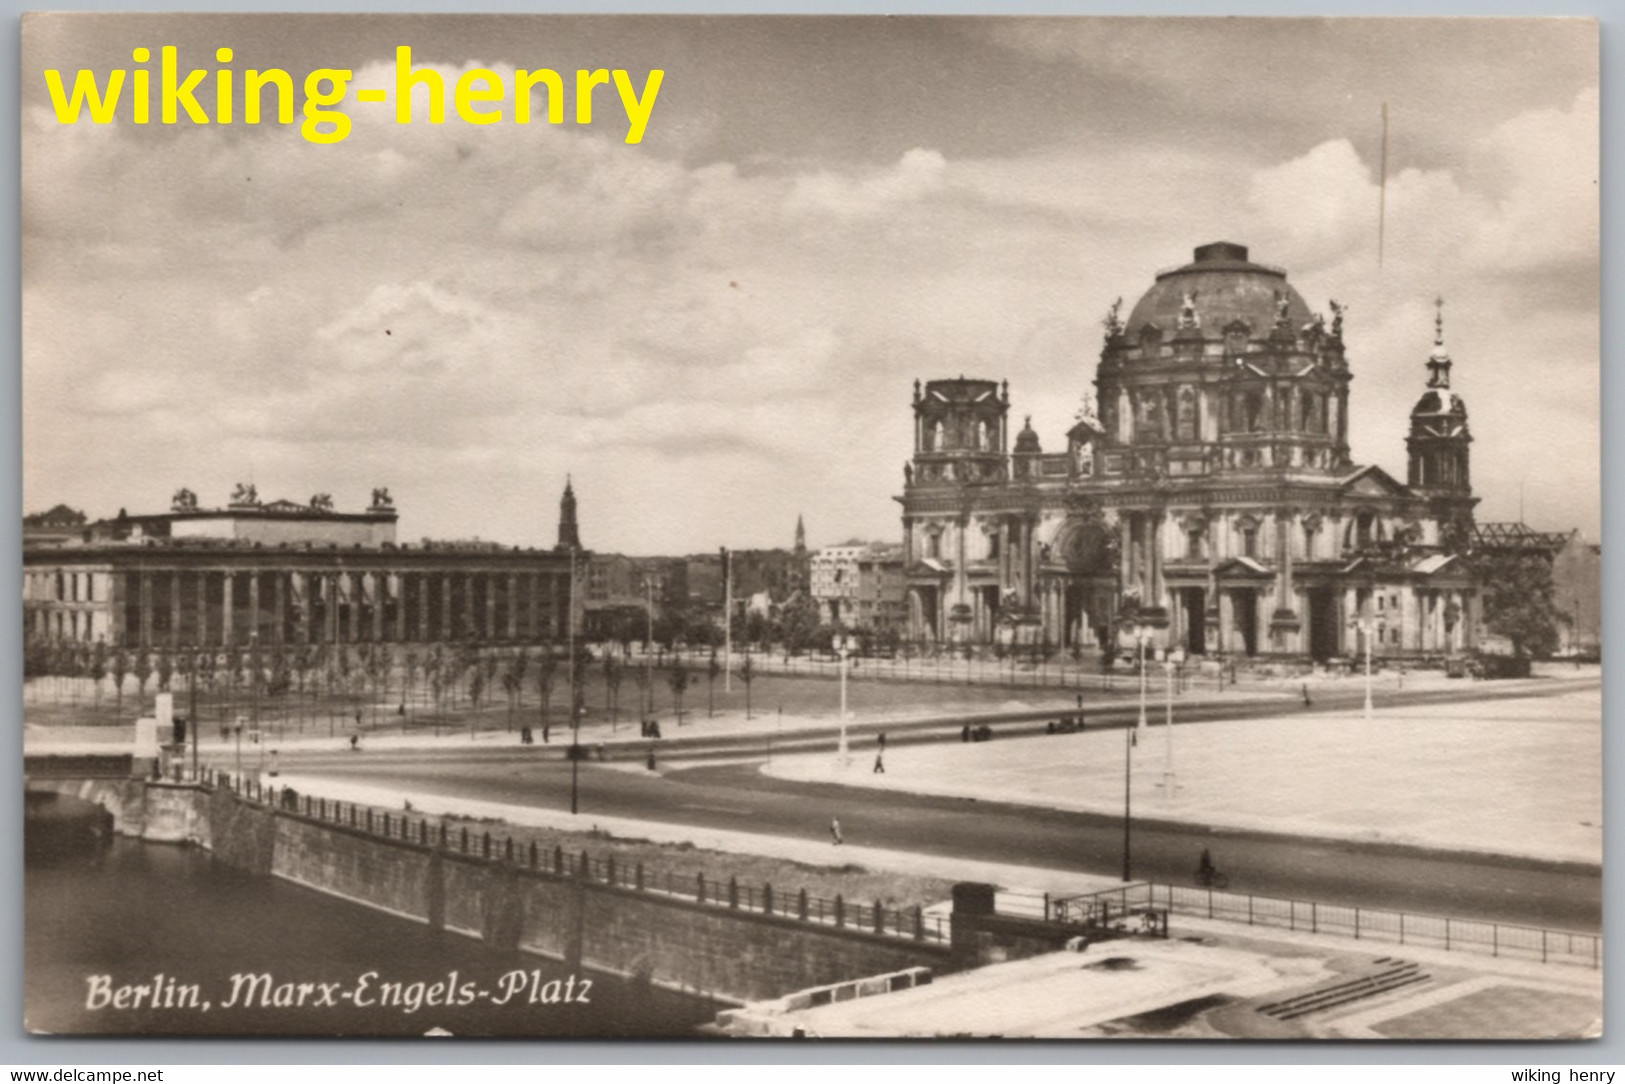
{"x": 105, "y": 914}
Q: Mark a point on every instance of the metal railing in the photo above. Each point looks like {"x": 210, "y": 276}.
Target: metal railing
{"x": 1341, "y": 920}
{"x": 902, "y": 923}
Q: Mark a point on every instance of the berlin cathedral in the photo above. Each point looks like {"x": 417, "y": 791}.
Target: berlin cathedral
{"x": 1210, "y": 503}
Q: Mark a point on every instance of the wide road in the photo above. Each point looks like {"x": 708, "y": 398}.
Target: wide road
{"x": 737, "y": 797}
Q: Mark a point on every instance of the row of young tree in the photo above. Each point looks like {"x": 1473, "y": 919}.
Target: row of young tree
{"x": 366, "y": 683}
{"x": 793, "y": 628}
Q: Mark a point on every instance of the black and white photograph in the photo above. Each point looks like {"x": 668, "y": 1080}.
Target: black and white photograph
{"x": 811, "y": 527}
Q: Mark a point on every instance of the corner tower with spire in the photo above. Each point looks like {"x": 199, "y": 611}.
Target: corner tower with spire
{"x": 1437, "y": 446}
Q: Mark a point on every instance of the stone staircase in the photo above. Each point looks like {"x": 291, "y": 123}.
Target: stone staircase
{"x": 1392, "y": 974}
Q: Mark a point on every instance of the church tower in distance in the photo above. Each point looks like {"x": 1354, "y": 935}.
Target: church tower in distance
{"x": 569, "y": 533}
{"x": 1439, "y": 437}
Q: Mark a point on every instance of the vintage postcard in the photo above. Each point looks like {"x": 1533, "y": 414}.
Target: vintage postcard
{"x": 829, "y": 527}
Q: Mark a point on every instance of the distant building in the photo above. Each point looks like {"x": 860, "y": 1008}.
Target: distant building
{"x": 284, "y": 573}
{"x": 625, "y": 593}
{"x": 1576, "y": 577}
{"x": 59, "y": 526}
{"x": 859, "y": 585}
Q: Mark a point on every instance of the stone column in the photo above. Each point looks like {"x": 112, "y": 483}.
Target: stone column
{"x": 1006, "y": 567}
{"x": 227, "y": 585}
{"x": 513, "y": 606}
{"x": 1154, "y": 541}
{"x": 144, "y": 600}
{"x": 448, "y": 620}
{"x": 490, "y": 580}
{"x": 175, "y": 581}
{"x": 1283, "y": 541}
{"x": 280, "y": 609}
{"x": 1227, "y": 620}
{"x": 960, "y": 586}
{"x": 397, "y": 582}
{"x": 299, "y": 587}
{"x": 379, "y": 585}
{"x": 202, "y": 609}
{"x": 533, "y": 614}
{"x": 253, "y": 603}
{"x": 559, "y": 596}
{"x": 425, "y": 584}
{"x": 356, "y": 592}
{"x": 1126, "y": 570}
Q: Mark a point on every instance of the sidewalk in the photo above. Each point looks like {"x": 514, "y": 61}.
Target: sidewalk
{"x": 1514, "y": 776}
{"x": 1027, "y": 880}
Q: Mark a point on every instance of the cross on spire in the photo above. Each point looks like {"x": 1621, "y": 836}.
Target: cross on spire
{"x": 1439, "y": 359}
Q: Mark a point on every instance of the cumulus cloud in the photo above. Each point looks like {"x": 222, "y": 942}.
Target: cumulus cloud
{"x": 711, "y": 342}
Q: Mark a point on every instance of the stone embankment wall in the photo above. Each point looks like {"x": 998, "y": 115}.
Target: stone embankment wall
{"x": 713, "y": 939}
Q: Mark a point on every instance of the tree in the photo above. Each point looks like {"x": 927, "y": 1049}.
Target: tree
{"x": 513, "y": 682}
{"x": 98, "y": 667}
{"x": 547, "y": 672}
{"x": 641, "y": 676}
{"x": 476, "y": 689}
{"x": 1519, "y": 601}
{"x": 613, "y": 672}
{"x": 120, "y": 669}
{"x": 410, "y": 667}
{"x": 143, "y": 673}
{"x": 679, "y": 680}
{"x": 165, "y": 669}
{"x": 799, "y": 623}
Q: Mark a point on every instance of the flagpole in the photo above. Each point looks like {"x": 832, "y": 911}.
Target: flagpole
{"x": 575, "y": 720}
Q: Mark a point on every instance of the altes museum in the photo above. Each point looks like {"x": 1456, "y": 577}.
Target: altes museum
{"x": 1211, "y": 504}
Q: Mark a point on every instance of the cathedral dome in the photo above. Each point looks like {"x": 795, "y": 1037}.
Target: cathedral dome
{"x": 1027, "y": 440}
{"x": 1227, "y": 287}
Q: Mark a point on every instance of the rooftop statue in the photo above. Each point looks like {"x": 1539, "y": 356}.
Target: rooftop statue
{"x": 1114, "y": 320}
{"x": 1337, "y": 317}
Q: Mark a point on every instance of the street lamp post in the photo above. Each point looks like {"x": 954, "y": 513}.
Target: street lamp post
{"x": 1170, "y": 661}
{"x": 1142, "y": 634}
{"x": 575, "y": 712}
{"x": 648, "y": 650}
{"x": 843, "y": 647}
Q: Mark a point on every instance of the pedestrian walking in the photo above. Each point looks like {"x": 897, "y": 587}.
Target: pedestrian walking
{"x": 1306, "y": 701}
{"x": 835, "y": 830}
{"x": 880, "y": 763}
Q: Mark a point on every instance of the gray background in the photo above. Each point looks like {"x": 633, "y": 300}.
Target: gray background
{"x": 16, "y": 1048}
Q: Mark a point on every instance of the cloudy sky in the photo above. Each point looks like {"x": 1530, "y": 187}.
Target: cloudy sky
{"x": 719, "y": 328}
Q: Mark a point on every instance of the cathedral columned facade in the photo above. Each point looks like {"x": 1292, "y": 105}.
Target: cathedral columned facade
{"x": 1210, "y": 502}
